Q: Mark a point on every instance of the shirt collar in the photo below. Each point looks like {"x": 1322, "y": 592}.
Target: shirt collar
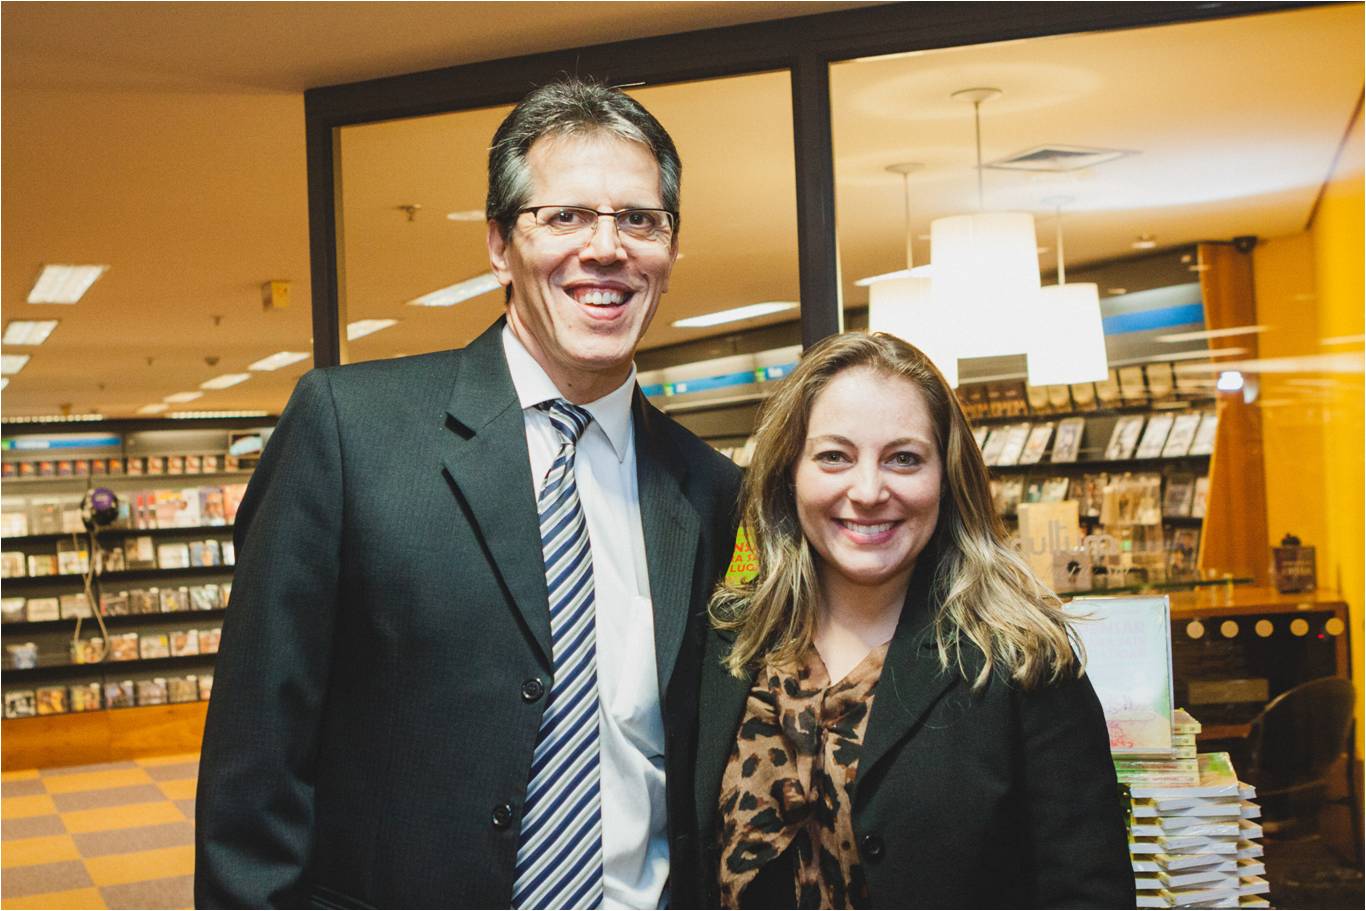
{"x": 612, "y": 412}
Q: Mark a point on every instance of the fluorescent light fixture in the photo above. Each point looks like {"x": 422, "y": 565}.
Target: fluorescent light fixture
{"x": 53, "y": 418}
{"x": 735, "y": 314}
{"x": 59, "y": 284}
{"x": 224, "y": 381}
{"x": 363, "y": 327}
{"x": 1212, "y": 333}
{"x": 180, "y": 397}
{"x": 191, "y": 415}
{"x": 458, "y": 292}
{"x": 29, "y": 331}
{"x": 1144, "y": 242}
{"x": 466, "y": 215}
{"x": 277, "y": 360}
{"x": 11, "y": 364}
{"x": 154, "y": 408}
{"x": 1229, "y": 381}
{"x": 925, "y": 271}
{"x": 1343, "y": 340}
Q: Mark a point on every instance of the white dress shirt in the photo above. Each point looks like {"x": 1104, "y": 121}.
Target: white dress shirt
{"x": 635, "y": 848}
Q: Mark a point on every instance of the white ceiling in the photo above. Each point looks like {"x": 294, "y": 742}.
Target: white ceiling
{"x": 167, "y": 141}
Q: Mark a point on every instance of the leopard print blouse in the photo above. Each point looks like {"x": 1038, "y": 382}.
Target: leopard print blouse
{"x": 785, "y": 792}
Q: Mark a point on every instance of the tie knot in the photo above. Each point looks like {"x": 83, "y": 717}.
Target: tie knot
{"x": 569, "y": 419}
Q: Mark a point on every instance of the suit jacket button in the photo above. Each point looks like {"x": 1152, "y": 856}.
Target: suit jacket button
{"x": 502, "y": 816}
{"x": 532, "y": 689}
{"x": 870, "y": 846}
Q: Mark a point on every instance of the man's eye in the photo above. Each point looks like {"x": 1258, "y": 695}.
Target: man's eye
{"x": 639, "y": 219}
{"x": 568, "y": 217}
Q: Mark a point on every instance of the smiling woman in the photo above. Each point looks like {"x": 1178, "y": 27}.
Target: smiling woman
{"x": 894, "y": 679}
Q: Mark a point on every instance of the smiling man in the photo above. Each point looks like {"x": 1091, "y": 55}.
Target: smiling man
{"x": 460, "y": 664}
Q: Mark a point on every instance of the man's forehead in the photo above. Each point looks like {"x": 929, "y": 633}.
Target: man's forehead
{"x": 592, "y": 161}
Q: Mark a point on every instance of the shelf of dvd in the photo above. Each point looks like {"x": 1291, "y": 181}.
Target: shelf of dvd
{"x": 128, "y": 615}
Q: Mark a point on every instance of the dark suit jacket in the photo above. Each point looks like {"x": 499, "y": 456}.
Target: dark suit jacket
{"x": 999, "y": 799}
{"x": 368, "y": 724}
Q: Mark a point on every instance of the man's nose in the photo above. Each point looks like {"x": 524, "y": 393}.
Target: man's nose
{"x": 604, "y": 245}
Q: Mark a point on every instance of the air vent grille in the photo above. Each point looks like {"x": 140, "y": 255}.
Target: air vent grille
{"x": 1056, "y": 158}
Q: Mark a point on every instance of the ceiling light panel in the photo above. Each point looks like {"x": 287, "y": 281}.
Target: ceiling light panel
{"x": 11, "y": 364}
{"x": 28, "y": 331}
{"x": 735, "y": 314}
{"x": 459, "y": 292}
{"x": 60, "y": 284}
{"x": 224, "y": 381}
{"x": 278, "y": 359}
{"x": 363, "y": 327}
{"x": 183, "y": 397}
{"x": 154, "y": 408}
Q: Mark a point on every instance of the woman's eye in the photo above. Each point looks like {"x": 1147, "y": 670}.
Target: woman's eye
{"x": 905, "y": 460}
{"x": 830, "y": 457}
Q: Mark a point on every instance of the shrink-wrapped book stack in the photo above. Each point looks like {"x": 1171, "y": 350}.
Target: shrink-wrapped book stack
{"x": 1198, "y": 845}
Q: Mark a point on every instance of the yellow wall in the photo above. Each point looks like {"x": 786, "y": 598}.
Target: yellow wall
{"x": 1337, "y": 235}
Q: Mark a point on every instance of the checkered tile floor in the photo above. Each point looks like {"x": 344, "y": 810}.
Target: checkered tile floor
{"x": 119, "y": 835}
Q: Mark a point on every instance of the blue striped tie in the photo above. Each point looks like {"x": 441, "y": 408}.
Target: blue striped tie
{"x": 559, "y": 851}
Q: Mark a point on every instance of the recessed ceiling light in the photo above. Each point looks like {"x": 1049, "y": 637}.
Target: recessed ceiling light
{"x": 1144, "y": 242}
{"x": 735, "y": 314}
{"x": 190, "y": 415}
{"x": 183, "y": 397}
{"x": 277, "y": 360}
{"x": 11, "y": 364}
{"x": 59, "y": 284}
{"x": 28, "y": 331}
{"x": 363, "y": 327}
{"x": 466, "y": 215}
{"x": 224, "y": 381}
{"x": 154, "y": 408}
{"x": 1116, "y": 291}
{"x": 1212, "y": 333}
{"x": 1229, "y": 381}
{"x": 458, "y": 292}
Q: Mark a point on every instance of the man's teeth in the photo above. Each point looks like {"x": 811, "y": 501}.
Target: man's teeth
{"x": 866, "y": 529}
{"x": 600, "y": 298}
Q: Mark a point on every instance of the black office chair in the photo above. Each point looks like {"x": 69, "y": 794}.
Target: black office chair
{"x": 1293, "y": 744}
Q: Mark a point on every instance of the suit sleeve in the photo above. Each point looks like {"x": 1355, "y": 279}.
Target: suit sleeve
{"x": 1073, "y": 812}
{"x": 254, "y": 808}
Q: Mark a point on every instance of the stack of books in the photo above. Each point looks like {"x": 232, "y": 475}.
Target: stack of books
{"x": 1197, "y": 845}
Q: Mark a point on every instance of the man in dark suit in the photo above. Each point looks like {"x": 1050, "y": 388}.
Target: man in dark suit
{"x": 460, "y": 666}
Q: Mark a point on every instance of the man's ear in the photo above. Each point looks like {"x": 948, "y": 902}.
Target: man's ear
{"x": 498, "y": 255}
{"x": 673, "y": 260}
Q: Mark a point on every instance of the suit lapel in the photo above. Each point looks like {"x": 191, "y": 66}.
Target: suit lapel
{"x": 670, "y": 525}
{"x": 486, "y": 459}
{"x": 912, "y": 679}
{"x": 720, "y": 704}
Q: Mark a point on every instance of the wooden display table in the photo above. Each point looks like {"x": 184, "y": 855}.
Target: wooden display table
{"x": 83, "y": 738}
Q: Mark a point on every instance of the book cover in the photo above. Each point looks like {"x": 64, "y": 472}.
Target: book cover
{"x": 205, "y": 597}
{"x": 144, "y": 601}
{"x": 1200, "y": 497}
{"x": 140, "y": 552}
{"x": 21, "y": 655}
{"x": 232, "y": 499}
{"x": 51, "y": 700}
{"x": 1179, "y": 494}
{"x": 119, "y": 694}
{"x": 12, "y": 564}
{"x": 1182, "y": 435}
{"x": 996, "y": 441}
{"x": 156, "y": 465}
{"x": 152, "y": 692}
{"x": 12, "y": 610}
{"x": 154, "y": 645}
{"x": 212, "y": 506}
{"x": 1203, "y": 444}
{"x": 112, "y": 561}
{"x": 175, "y": 600}
{"x": 1155, "y": 436}
{"x": 1037, "y": 399}
{"x": 1217, "y": 779}
{"x": 41, "y": 609}
{"x": 1037, "y": 443}
{"x": 1058, "y": 398}
{"x": 182, "y": 689}
{"x": 205, "y": 687}
{"x": 173, "y": 555}
{"x": 86, "y": 697}
{"x": 1161, "y": 381}
{"x": 88, "y": 651}
{"x": 208, "y": 640}
{"x": 42, "y": 564}
{"x": 1124, "y": 438}
{"x": 194, "y": 464}
{"x": 124, "y": 647}
{"x": 137, "y": 465}
{"x": 213, "y": 463}
{"x": 20, "y": 704}
{"x": 1013, "y": 447}
{"x": 1132, "y": 388}
{"x": 184, "y": 642}
{"x": 13, "y": 524}
{"x": 175, "y": 464}
{"x": 73, "y": 605}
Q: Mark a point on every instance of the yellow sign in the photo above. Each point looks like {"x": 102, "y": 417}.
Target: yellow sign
{"x": 744, "y": 562}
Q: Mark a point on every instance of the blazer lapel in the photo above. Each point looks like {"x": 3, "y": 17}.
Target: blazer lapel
{"x": 486, "y": 459}
{"x": 912, "y": 679}
{"x": 720, "y": 704}
{"x": 670, "y": 525}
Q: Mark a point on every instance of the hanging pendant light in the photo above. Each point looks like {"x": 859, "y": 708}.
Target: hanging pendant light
{"x": 1067, "y": 341}
{"x": 903, "y": 303}
{"x": 986, "y": 265}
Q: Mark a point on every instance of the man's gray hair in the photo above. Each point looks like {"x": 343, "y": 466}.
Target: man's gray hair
{"x": 571, "y": 106}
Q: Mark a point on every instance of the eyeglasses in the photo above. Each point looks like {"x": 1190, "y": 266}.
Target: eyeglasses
{"x": 579, "y": 223}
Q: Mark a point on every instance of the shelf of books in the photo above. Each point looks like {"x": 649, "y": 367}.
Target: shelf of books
{"x": 112, "y": 627}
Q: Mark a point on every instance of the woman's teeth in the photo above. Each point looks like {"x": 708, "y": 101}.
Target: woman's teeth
{"x": 862, "y": 529}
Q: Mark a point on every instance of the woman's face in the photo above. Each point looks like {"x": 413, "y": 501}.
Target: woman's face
{"x": 868, "y": 478}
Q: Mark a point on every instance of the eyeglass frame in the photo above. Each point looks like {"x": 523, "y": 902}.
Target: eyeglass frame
{"x": 672, "y": 218}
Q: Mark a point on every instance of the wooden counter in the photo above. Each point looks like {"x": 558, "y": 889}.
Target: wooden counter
{"x": 83, "y": 738}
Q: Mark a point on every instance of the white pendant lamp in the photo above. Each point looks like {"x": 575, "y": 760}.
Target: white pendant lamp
{"x": 986, "y": 265}
{"x": 904, "y": 305}
{"x": 1067, "y": 338}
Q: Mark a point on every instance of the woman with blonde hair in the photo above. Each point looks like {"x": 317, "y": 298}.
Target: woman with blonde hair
{"x": 893, "y": 713}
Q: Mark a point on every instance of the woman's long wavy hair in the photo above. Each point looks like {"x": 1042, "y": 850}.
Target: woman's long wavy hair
{"x": 985, "y": 590}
